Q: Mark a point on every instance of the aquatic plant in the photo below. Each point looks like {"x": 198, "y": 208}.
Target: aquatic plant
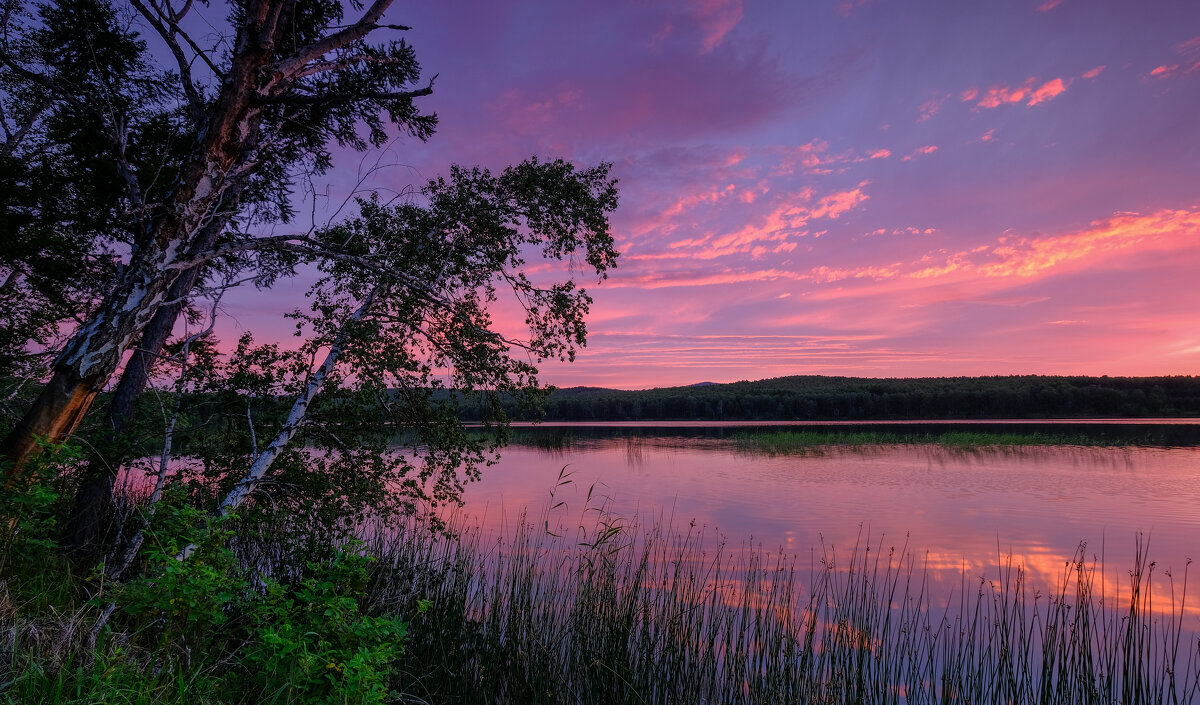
{"x": 630, "y": 613}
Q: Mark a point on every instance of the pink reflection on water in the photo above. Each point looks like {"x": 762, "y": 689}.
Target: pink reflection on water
{"x": 961, "y": 513}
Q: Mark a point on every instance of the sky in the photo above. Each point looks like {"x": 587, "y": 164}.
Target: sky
{"x": 878, "y": 188}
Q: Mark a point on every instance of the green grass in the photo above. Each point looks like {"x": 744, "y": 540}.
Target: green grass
{"x": 616, "y": 612}
{"x": 782, "y": 442}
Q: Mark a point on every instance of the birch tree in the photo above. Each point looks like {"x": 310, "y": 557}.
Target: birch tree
{"x": 402, "y": 326}
{"x": 280, "y": 82}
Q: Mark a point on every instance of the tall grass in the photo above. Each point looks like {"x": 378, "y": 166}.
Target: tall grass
{"x": 642, "y": 614}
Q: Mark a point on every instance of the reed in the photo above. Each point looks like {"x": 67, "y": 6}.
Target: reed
{"x": 628, "y": 613}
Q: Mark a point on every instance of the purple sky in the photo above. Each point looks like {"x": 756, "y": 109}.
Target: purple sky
{"x": 870, "y": 187}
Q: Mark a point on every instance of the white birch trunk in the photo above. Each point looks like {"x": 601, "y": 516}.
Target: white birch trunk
{"x": 262, "y": 463}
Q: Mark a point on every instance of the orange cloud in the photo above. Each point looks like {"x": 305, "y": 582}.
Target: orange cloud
{"x": 1094, "y": 72}
{"x": 988, "y": 136}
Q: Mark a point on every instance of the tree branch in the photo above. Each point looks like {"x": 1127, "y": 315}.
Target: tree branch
{"x": 288, "y": 68}
{"x": 336, "y": 98}
{"x": 155, "y": 18}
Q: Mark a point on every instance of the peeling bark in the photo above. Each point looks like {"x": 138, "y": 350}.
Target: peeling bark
{"x": 83, "y": 531}
{"x": 225, "y": 156}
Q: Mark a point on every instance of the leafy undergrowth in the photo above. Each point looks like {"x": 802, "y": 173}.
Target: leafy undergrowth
{"x": 265, "y": 611}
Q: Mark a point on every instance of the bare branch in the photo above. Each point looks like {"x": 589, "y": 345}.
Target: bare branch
{"x": 346, "y": 62}
{"x": 336, "y": 98}
{"x": 288, "y": 68}
{"x": 156, "y": 20}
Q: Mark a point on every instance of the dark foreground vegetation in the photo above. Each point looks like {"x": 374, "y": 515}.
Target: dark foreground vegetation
{"x": 268, "y": 610}
{"x": 811, "y": 398}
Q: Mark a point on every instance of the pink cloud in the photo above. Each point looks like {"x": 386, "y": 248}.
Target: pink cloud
{"x": 920, "y": 151}
{"x": 773, "y": 232}
{"x": 1094, "y": 72}
{"x": 1011, "y": 260}
{"x": 695, "y": 277}
{"x": 931, "y": 107}
{"x": 1028, "y": 92}
{"x": 1049, "y": 90}
{"x": 988, "y": 136}
{"x": 1049, "y": 5}
{"x": 812, "y": 157}
{"x": 1189, "y": 46}
{"x": 690, "y": 201}
{"x": 881, "y": 154}
{"x": 847, "y": 7}
{"x": 717, "y": 18}
{"x": 1171, "y": 70}
{"x": 835, "y": 205}
{"x": 825, "y": 275}
{"x": 1123, "y": 233}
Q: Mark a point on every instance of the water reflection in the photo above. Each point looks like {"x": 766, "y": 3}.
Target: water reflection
{"x": 956, "y": 509}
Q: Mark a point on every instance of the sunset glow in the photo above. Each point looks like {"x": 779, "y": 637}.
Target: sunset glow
{"x": 869, "y": 188}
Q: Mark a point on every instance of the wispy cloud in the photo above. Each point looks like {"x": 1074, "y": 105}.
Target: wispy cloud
{"x": 920, "y": 152}
{"x": 847, "y": 7}
{"x": 717, "y": 18}
{"x": 1013, "y": 260}
{"x": 1048, "y": 90}
{"x": 931, "y": 107}
{"x": 1172, "y": 70}
{"x": 1031, "y": 92}
{"x": 1049, "y": 5}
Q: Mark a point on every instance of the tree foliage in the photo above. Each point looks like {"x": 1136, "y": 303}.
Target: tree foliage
{"x": 402, "y": 324}
{"x": 154, "y": 164}
{"x": 802, "y": 398}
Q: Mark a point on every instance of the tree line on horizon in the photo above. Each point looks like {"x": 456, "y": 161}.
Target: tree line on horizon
{"x": 819, "y": 398}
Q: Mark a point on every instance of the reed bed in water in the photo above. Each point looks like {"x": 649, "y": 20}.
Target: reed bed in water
{"x": 622, "y": 613}
{"x": 783, "y": 442}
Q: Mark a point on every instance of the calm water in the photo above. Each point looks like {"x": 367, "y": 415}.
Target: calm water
{"x": 953, "y": 509}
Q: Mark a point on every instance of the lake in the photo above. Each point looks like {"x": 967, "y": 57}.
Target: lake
{"x": 684, "y": 563}
{"x": 954, "y": 509}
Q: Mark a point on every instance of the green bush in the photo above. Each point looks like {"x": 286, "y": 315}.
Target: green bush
{"x": 314, "y": 646}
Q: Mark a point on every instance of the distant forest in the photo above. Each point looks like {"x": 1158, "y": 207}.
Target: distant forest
{"x": 814, "y": 398}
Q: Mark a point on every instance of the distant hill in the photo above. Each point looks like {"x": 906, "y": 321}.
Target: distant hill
{"x": 811, "y": 397}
